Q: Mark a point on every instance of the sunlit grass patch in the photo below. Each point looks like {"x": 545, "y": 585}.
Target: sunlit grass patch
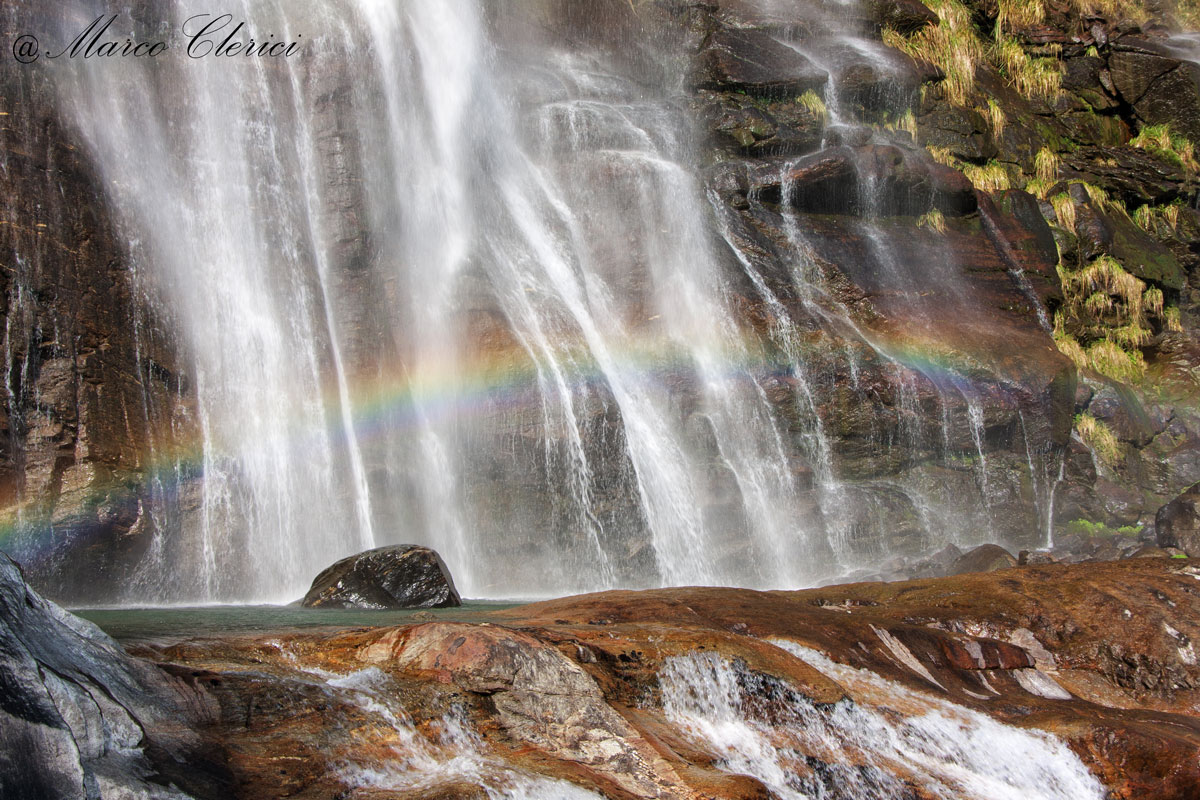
{"x": 933, "y": 220}
{"x": 1100, "y": 438}
{"x": 989, "y": 177}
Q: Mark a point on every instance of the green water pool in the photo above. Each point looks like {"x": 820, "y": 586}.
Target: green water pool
{"x": 131, "y": 624}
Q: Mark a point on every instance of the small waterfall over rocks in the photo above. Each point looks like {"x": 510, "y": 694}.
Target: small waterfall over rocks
{"x": 470, "y": 275}
{"x": 394, "y": 756}
{"x": 877, "y": 744}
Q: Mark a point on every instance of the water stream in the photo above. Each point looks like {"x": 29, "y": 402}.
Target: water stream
{"x": 451, "y": 281}
{"x": 877, "y": 744}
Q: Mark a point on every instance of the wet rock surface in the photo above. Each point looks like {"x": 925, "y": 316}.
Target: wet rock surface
{"x": 399, "y": 576}
{"x": 754, "y": 62}
{"x": 94, "y": 377}
{"x": 80, "y": 719}
{"x": 1097, "y": 654}
{"x": 931, "y": 360}
{"x": 1177, "y": 524}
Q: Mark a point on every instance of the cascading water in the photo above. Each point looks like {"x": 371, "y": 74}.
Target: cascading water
{"x": 869, "y": 116}
{"x": 432, "y": 290}
{"x": 510, "y": 315}
{"x": 875, "y": 745}
{"x": 389, "y": 754}
{"x": 209, "y": 181}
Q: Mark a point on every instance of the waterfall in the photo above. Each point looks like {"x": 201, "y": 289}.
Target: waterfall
{"x": 386, "y": 752}
{"x": 432, "y": 292}
{"x": 445, "y": 279}
{"x": 210, "y": 176}
{"x": 855, "y": 749}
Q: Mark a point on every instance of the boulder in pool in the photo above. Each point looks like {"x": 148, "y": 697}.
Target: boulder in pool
{"x": 399, "y": 576}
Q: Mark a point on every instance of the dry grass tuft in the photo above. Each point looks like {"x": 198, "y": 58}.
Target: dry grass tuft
{"x": 952, "y": 44}
{"x": 813, "y": 102}
{"x": 991, "y": 177}
{"x": 933, "y": 220}
{"x": 1100, "y": 438}
{"x": 1064, "y": 210}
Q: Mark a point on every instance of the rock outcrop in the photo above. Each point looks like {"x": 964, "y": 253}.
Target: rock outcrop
{"x": 398, "y": 576}
{"x": 985, "y": 558}
{"x": 81, "y": 720}
{"x": 1100, "y": 655}
{"x": 1177, "y": 524}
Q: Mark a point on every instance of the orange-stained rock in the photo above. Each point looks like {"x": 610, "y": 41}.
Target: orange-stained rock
{"x": 1099, "y": 654}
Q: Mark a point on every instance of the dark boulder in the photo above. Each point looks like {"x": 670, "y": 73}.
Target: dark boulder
{"x": 1134, "y": 73}
{"x": 80, "y": 718}
{"x": 964, "y": 132}
{"x": 985, "y": 558}
{"x": 1177, "y": 524}
{"x": 823, "y": 183}
{"x": 868, "y": 87}
{"x": 760, "y": 127}
{"x": 1130, "y": 174}
{"x": 756, "y": 63}
{"x": 877, "y": 179}
{"x": 1161, "y": 88}
{"x": 400, "y": 576}
{"x": 937, "y": 565}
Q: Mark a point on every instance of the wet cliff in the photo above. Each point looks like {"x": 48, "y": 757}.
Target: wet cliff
{"x": 948, "y": 253}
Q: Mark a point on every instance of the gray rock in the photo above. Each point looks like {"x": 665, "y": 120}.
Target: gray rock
{"x": 754, "y": 62}
{"x": 1178, "y": 522}
{"x": 985, "y": 558}
{"x": 78, "y": 715}
{"x": 400, "y": 576}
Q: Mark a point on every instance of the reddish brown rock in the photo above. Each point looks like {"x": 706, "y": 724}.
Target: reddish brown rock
{"x": 1099, "y": 654}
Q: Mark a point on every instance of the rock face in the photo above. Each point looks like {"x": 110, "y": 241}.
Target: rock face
{"x": 1177, "y": 524}
{"x": 985, "y": 558}
{"x": 94, "y": 377}
{"x": 579, "y": 689}
{"x": 755, "y": 63}
{"x": 400, "y": 576}
{"x": 80, "y": 719}
{"x": 928, "y": 358}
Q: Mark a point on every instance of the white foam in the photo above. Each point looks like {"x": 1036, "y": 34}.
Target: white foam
{"x": 873, "y": 745}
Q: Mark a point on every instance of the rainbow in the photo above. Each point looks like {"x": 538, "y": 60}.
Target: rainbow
{"x": 489, "y": 383}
